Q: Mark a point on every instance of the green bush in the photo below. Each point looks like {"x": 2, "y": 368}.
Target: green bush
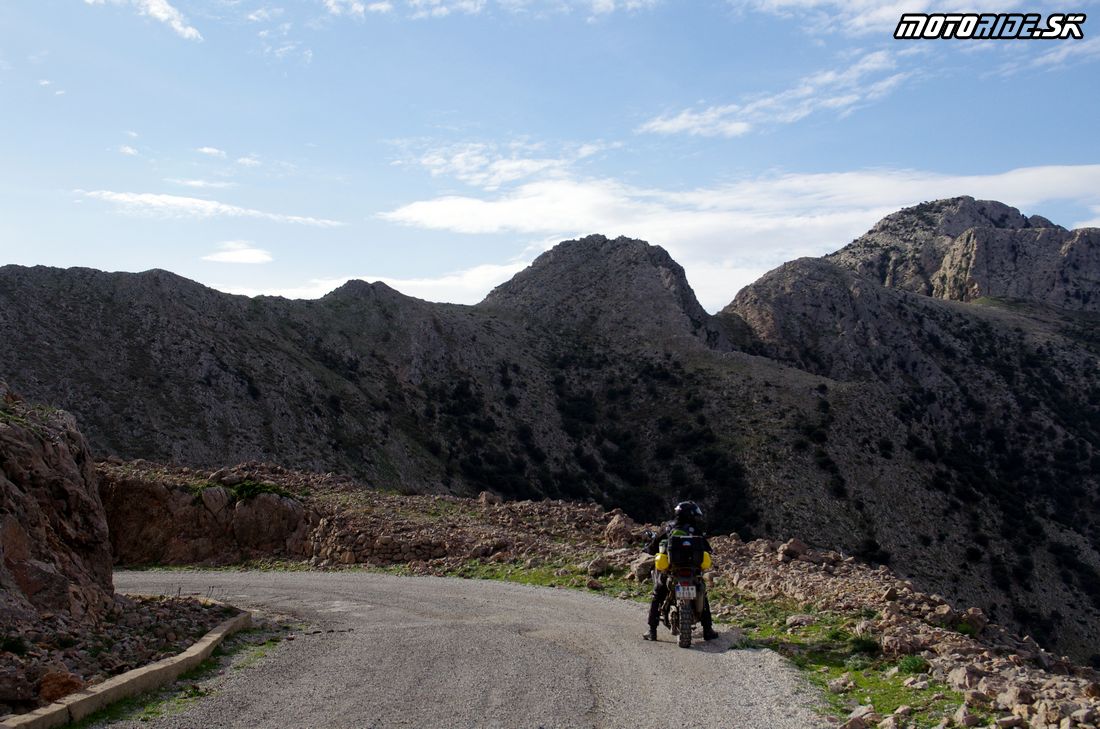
{"x": 863, "y": 644}
{"x": 913, "y": 664}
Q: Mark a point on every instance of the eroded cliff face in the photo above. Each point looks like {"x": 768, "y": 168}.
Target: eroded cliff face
{"x": 965, "y": 249}
{"x": 54, "y": 552}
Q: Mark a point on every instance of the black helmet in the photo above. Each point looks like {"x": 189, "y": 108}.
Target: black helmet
{"x": 688, "y": 513}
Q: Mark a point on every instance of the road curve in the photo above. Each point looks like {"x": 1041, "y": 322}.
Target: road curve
{"x": 437, "y": 652}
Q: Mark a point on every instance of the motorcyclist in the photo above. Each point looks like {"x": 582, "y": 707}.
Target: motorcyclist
{"x": 687, "y": 519}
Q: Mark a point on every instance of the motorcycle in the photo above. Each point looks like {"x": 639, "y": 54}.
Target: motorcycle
{"x": 683, "y": 604}
{"x": 683, "y": 565}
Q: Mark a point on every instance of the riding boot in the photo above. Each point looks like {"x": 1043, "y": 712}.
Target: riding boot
{"x": 707, "y": 622}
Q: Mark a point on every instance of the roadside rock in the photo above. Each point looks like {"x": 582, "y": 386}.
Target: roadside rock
{"x": 154, "y": 523}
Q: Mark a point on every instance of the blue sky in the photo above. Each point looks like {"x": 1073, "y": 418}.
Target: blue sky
{"x": 439, "y": 145}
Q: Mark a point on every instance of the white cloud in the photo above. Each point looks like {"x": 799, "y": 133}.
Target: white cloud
{"x": 249, "y": 161}
{"x": 1091, "y": 222}
{"x": 202, "y": 184}
{"x": 263, "y": 15}
{"x": 443, "y": 8}
{"x": 131, "y": 134}
{"x": 841, "y": 90}
{"x": 160, "y": 10}
{"x": 176, "y": 206}
{"x": 211, "y": 152}
{"x": 127, "y": 150}
{"x": 44, "y": 82}
{"x": 467, "y": 286}
{"x": 356, "y": 8}
{"x": 490, "y": 165}
{"x": 1068, "y": 52}
{"x": 733, "y": 232}
{"x": 239, "y": 251}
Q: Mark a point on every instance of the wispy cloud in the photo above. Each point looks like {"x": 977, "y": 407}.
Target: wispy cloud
{"x": 357, "y": 8}
{"x": 733, "y": 233}
{"x": 262, "y": 15}
{"x": 278, "y": 43}
{"x": 202, "y": 184}
{"x": 1070, "y": 52}
{"x": 131, "y": 134}
{"x": 443, "y": 8}
{"x": 176, "y": 206}
{"x": 127, "y": 150}
{"x": 249, "y": 161}
{"x": 840, "y": 91}
{"x": 466, "y": 286}
{"x": 862, "y": 17}
{"x": 239, "y": 251}
{"x": 490, "y": 165}
{"x": 159, "y": 10}
{"x": 211, "y": 152}
{"x": 417, "y": 9}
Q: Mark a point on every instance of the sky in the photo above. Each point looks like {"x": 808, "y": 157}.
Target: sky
{"x": 284, "y": 147}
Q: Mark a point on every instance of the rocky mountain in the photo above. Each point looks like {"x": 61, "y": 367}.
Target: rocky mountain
{"x": 888, "y": 400}
{"x": 964, "y": 249}
{"x": 990, "y": 386}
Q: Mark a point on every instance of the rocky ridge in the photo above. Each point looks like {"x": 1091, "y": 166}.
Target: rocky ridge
{"x": 878, "y": 419}
{"x": 965, "y": 249}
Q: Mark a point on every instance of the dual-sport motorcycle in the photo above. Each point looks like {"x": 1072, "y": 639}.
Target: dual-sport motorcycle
{"x": 681, "y": 560}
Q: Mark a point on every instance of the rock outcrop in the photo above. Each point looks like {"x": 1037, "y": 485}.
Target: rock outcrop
{"x": 54, "y": 554}
{"x": 61, "y": 625}
{"x": 965, "y": 249}
{"x": 198, "y": 520}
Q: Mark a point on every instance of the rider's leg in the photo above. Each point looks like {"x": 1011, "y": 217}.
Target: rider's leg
{"x": 705, "y": 619}
{"x": 660, "y": 591}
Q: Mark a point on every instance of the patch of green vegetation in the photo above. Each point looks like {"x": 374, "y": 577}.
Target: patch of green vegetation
{"x": 829, "y": 648}
{"x": 243, "y": 491}
{"x": 242, "y": 650}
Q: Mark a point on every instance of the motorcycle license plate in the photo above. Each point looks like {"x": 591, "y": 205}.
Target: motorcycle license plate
{"x": 685, "y": 592}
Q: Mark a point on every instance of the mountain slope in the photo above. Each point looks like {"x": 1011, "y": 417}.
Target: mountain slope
{"x": 999, "y": 400}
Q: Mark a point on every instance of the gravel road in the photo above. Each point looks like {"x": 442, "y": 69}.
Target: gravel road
{"x": 432, "y": 652}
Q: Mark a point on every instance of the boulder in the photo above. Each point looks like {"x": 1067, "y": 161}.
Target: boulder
{"x": 56, "y": 684}
{"x": 598, "y": 567}
{"x": 488, "y": 498}
{"x": 792, "y": 549}
{"x": 642, "y": 568}
{"x": 621, "y": 531}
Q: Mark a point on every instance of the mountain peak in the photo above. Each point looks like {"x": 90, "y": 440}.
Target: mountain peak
{"x": 964, "y": 249}
{"x": 613, "y": 286}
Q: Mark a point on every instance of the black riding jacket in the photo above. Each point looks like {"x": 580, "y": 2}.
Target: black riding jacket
{"x": 655, "y": 544}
